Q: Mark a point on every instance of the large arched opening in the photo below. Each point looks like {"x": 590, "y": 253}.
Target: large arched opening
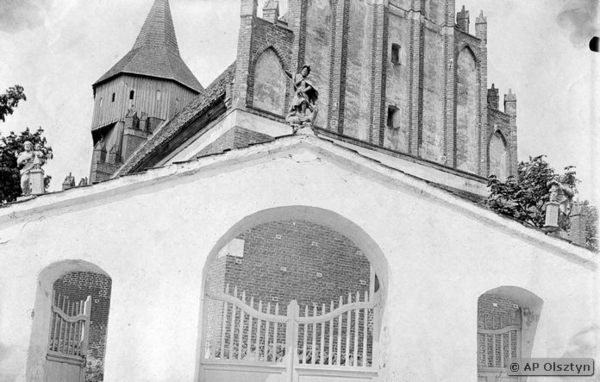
{"x": 292, "y": 291}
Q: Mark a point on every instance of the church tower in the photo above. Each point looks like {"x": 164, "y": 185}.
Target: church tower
{"x": 149, "y": 85}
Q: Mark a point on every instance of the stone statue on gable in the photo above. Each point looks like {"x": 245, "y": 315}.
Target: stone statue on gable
{"x": 561, "y": 193}
{"x": 303, "y": 110}
{"x": 559, "y": 204}
{"x": 30, "y": 162}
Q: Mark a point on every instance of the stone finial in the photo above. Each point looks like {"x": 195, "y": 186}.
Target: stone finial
{"x": 462, "y": 20}
{"x": 271, "y": 11}
{"x": 248, "y": 8}
{"x": 493, "y": 98}
{"x": 132, "y": 120}
{"x": 82, "y": 182}
{"x": 510, "y": 103}
{"x": 481, "y": 27}
{"x": 481, "y": 19}
{"x": 69, "y": 182}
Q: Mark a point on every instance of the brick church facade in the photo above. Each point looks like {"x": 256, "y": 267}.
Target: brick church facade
{"x": 405, "y": 78}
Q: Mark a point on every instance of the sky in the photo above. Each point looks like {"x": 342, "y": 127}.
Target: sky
{"x": 56, "y": 49}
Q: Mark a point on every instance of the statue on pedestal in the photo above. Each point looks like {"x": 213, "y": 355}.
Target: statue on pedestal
{"x": 303, "y": 110}
{"x": 559, "y": 204}
{"x": 561, "y": 193}
{"x": 30, "y": 162}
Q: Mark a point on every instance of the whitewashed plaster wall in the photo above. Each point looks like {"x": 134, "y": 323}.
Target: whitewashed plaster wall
{"x": 152, "y": 234}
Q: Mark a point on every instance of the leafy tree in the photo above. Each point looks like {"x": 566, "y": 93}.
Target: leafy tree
{"x": 590, "y": 216}
{"x": 10, "y": 146}
{"x": 10, "y": 100}
{"x": 523, "y": 197}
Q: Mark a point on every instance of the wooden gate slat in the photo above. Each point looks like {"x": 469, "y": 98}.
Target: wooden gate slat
{"x": 249, "y": 338}
{"x": 365, "y": 327}
{"x": 56, "y": 325}
{"x": 305, "y": 335}
{"x": 331, "y": 335}
{"x": 322, "y": 337}
{"x": 339, "y": 341}
{"x": 276, "y": 329}
{"x": 314, "y": 337}
{"x": 356, "y": 326}
{"x": 258, "y": 328}
{"x": 224, "y": 324}
{"x": 267, "y": 333}
{"x": 232, "y": 326}
{"x": 240, "y": 341}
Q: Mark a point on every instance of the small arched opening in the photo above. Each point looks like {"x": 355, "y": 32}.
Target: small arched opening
{"x": 507, "y": 320}
{"x": 70, "y": 323}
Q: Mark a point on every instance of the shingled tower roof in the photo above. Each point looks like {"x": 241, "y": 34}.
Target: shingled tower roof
{"x": 155, "y": 52}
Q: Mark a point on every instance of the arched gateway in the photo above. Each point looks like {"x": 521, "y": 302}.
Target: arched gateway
{"x": 291, "y": 293}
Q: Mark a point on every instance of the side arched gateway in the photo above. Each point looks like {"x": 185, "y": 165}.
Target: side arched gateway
{"x": 69, "y": 323}
{"x": 507, "y": 320}
{"x": 292, "y": 292}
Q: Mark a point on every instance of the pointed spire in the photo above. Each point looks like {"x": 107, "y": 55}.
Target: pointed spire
{"x": 158, "y": 29}
{"x": 155, "y": 52}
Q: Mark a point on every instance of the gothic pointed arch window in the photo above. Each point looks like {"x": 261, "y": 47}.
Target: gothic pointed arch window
{"x": 269, "y": 83}
{"x": 467, "y": 137}
{"x": 498, "y": 156}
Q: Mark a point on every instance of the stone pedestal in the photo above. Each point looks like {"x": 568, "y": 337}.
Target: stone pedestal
{"x": 36, "y": 181}
{"x": 552, "y": 211}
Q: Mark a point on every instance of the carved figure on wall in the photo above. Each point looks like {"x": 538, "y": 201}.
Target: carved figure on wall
{"x": 303, "y": 109}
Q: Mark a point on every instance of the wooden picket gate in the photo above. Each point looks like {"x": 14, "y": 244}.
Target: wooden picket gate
{"x": 252, "y": 341}
{"x": 69, "y": 336}
{"x": 496, "y": 347}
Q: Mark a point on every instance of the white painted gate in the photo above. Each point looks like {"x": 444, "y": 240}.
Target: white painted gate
{"x": 69, "y": 336}
{"x": 253, "y": 341}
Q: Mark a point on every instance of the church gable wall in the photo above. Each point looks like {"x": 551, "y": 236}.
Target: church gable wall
{"x": 359, "y": 68}
{"x": 318, "y": 52}
{"x": 431, "y": 145}
{"x": 435, "y": 11}
{"x": 397, "y": 129}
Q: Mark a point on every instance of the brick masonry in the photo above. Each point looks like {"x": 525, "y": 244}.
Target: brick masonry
{"x": 286, "y": 260}
{"x": 299, "y": 260}
{"x": 235, "y": 138}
